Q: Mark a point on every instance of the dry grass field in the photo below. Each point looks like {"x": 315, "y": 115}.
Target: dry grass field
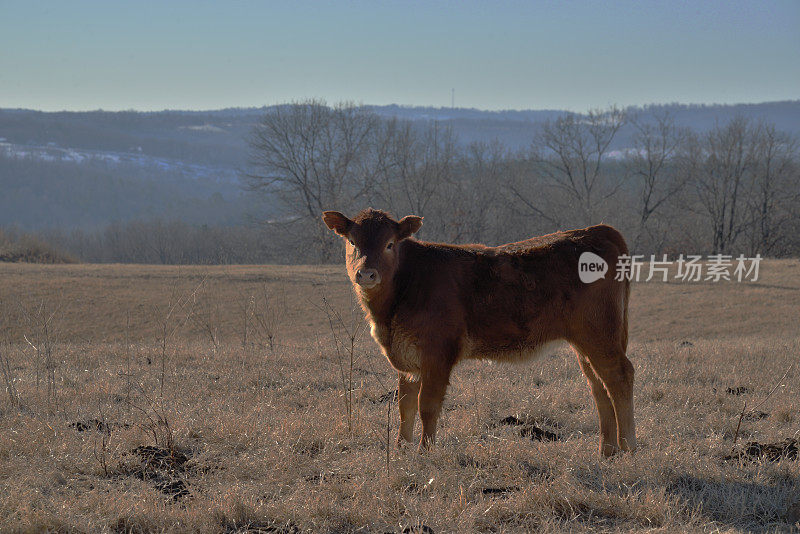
{"x": 231, "y": 399}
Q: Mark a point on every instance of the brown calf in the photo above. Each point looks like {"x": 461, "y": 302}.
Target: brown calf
{"x": 432, "y": 304}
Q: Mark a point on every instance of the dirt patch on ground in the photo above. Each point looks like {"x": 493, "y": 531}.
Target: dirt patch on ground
{"x": 772, "y": 452}
{"x": 417, "y": 529}
{"x": 499, "y": 491}
{"x": 329, "y": 476}
{"x": 97, "y": 424}
{"x": 739, "y": 390}
{"x": 168, "y": 470}
{"x": 755, "y": 416}
{"x": 529, "y": 428}
{"x": 260, "y": 527}
{"x": 389, "y": 396}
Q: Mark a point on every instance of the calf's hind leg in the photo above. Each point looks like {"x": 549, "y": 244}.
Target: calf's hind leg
{"x": 600, "y": 335}
{"x": 616, "y": 372}
{"x": 605, "y": 409}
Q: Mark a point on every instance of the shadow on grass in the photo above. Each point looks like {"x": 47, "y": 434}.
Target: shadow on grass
{"x": 740, "y": 505}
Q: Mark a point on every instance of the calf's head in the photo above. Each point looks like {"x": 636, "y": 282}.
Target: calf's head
{"x": 372, "y": 240}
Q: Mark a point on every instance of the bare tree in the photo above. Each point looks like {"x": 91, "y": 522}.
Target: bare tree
{"x": 569, "y": 155}
{"x": 470, "y": 197}
{"x": 420, "y": 161}
{"x": 313, "y": 157}
{"x": 773, "y": 203}
{"x": 529, "y": 196}
{"x": 723, "y": 180}
{"x": 398, "y": 144}
{"x": 656, "y": 165}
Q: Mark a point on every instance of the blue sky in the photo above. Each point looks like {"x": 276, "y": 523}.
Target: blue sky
{"x": 573, "y": 55}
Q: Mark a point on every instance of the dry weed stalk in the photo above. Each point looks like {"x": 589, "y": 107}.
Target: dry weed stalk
{"x": 744, "y": 407}
{"x": 209, "y": 316}
{"x": 105, "y": 441}
{"x": 128, "y": 370}
{"x": 266, "y": 316}
{"x": 261, "y": 314}
{"x": 345, "y": 343}
{"x": 41, "y": 337}
{"x": 174, "y": 316}
{"x": 8, "y": 376}
{"x": 388, "y": 433}
{"x": 154, "y": 422}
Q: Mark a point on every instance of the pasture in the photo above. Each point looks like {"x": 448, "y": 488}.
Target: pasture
{"x": 252, "y": 399}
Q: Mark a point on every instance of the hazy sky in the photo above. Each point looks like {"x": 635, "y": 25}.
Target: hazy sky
{"x": 562, "y": 54}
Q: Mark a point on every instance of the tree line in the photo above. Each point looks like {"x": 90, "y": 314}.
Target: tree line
{"x": 732, "y": 189}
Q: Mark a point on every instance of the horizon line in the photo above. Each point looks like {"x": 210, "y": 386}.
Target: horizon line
{"x": 407, "y": 106}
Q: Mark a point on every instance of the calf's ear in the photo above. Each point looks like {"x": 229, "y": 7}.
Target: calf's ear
{"x": 409, "y": 225}
{"x": 337, "y": 222}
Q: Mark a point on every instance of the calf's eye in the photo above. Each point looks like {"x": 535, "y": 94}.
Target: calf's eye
{"x": 389, "y": 246}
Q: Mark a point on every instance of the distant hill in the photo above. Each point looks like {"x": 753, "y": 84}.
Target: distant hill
{"x": 217, "y": 137}
{"x": 85, "y": 169}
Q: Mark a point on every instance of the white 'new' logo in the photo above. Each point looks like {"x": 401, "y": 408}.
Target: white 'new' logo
{"x": 591, "y": 267}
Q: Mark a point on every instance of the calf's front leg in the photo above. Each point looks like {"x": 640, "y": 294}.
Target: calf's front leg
{"x": 431, "y": 394}
{"x": 408, "y": 400}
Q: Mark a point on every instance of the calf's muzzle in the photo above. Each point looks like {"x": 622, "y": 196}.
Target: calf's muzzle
{"x": 368, "y": 277}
